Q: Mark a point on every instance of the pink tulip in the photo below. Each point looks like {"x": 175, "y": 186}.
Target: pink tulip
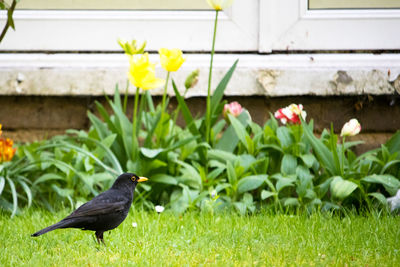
{"x": 233, "y": 108}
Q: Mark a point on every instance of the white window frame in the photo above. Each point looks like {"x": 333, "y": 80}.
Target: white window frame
{"x": 290, "y": 25}
{"x": 249, "y": 26}
{"x": 98, "y": 30}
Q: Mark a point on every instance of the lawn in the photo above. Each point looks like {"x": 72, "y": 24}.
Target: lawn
{"x": 202, "y": 239}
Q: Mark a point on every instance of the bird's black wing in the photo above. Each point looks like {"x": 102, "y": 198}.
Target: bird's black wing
{"x": 98, "y": 209}
{"x": 102, "y": 204}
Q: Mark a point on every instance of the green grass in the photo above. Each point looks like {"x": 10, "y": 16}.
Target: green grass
{"x": 200, "y": 239}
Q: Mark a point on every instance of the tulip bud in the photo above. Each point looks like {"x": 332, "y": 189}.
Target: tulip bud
{"x": 233, "y": 108}
{"x": 192, "y": 79}
{"x": 130, "y": 48}
{"x": 351, "y": 128}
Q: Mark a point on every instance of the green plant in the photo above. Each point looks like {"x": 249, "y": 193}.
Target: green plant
{"x": 10, "y": 21}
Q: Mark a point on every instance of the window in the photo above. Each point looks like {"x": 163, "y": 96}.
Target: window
{"x": 299, "y": 25}
{"x": 98, "y": 30}
{"x": 249, "y": 26}
{"x": 359, "y": 4}
{"x": 114, "y": 4}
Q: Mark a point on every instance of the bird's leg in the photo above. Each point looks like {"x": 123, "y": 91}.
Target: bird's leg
{"x": 99, "y": 237}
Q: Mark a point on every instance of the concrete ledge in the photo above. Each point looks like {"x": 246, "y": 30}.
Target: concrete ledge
{"x": 267, "y": 75}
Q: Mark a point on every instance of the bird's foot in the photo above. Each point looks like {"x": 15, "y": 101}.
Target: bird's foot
{"x": 100, "y": 238}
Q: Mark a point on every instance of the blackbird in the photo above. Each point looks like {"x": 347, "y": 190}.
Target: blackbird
{"x": 105, "y": 211}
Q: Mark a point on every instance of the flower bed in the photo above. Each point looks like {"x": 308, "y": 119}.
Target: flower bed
{"x": 222, "y": 160}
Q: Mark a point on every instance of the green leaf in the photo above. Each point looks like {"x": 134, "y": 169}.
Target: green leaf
{"x": 98, "y": 125}
{"x": 231, "y": 174}
{"x": 304, "y": 182}
{"x": 150, "y": 133}
{"x": 389, "y": 164}
{"x": 284, "y": 136}
{"x": 150, "y": 153}
{"x": 221, "y": 155}
{"x": 85, "y": 152}
{"x": 190, "y": 175}
{"x": 246, "y": 161}
{"x": 251, "y": 182}
{"x": 219, "y": 91}
{"x": 187, "y": 116}
{"x": 394, "y": 143}
{"x": 291, "y": 201}
{"x": 239, "y": 130}
{"x": 391, "y": 183}
{"x": 381, "y": 198}
{"x": 2, "y": 183}
{"x": 271, "y": 147}
{"x": 240, "y": 207}
{"x": 229, "y": 139}
{"x": 321, "y": 151}
{"x": 289, "y": 164}
{"x": 14, "y": 196}
{"x": 341, "y": 188}
{"x": 283, "y": 182}
{"x": 267, "y": 194}
{"x": 164, "y": 179}
{"x": 111, "y": 156}
{"x": 149, "y": 101}
{"x": 28, "y": 192}
{"x": 323, "y": 188}
{"x": 308, "y": 159}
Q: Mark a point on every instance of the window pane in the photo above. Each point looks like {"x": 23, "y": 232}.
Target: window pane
{"x": 113, "y": 4}
{"x": 343, "y": 4}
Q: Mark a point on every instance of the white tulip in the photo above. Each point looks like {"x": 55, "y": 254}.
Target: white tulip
{"x": 351, "y": 128}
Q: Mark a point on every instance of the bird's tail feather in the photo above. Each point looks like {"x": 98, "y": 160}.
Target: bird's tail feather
{"x": 61, "y": 224}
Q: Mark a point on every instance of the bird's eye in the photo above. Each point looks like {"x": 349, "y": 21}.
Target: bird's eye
{"x": 133, "y": 178}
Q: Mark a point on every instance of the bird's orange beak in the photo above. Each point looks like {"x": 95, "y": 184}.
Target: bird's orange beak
{"x": 142, "y": 179}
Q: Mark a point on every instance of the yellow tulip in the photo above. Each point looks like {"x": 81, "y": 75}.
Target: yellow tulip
{"x": 220, "y": 4}
{"x": 142, "y": 72}
{"x": 171, "y": 59}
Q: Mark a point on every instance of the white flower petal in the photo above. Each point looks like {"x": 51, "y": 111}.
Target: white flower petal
{"x": 159, "y": 208}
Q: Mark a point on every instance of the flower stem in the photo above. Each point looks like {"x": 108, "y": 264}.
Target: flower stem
{"x": 208, "y": 112}
{"x": 134, "y": 120}
{"x": 9, "y": 18}
{"x": 164, "y": 95}
{"x": 342, "y": 167}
